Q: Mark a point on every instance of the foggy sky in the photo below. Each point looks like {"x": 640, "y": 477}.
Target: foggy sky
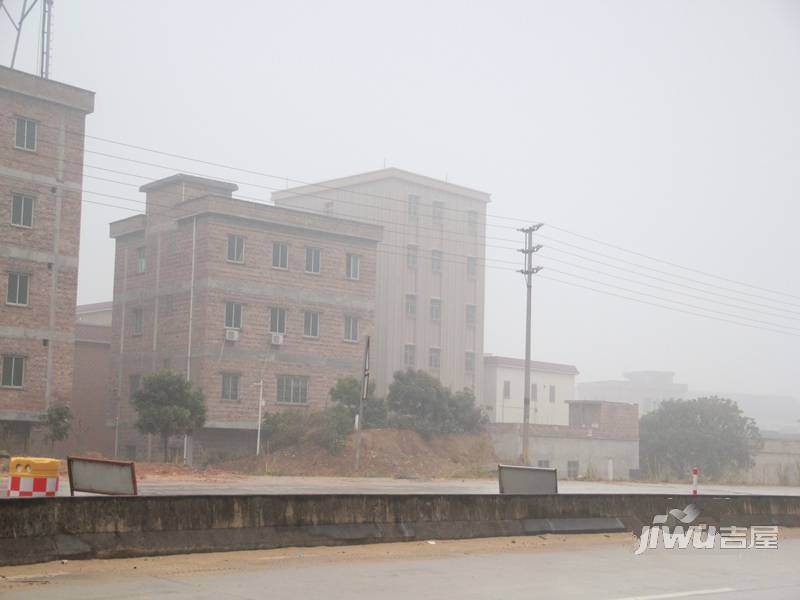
{"x": 669, "y": 128}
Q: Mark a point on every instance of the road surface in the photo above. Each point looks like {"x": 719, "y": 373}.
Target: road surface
{"x": 600, "y": 566}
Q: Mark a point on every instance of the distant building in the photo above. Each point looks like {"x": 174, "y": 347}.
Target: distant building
{"x": 646, "y": 389}
{"x": 430, "y": 268}
{"x": 232, "y": 294}
{"x": 552, "y": 388}
{"x": 778, "y": 461}
{"x": 41, "y": 171}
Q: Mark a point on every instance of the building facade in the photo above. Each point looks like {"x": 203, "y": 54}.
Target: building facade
{"x": 240, "y": 296}
{"x": 430, "y": 269}
{"x": 552, "y": 388}
{"x": 41, "y": 170}
{"x": 647, "y": 389}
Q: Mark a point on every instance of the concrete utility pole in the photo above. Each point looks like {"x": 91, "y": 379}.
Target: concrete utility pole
{"x": 528, "y": 272}
{"x": 361, "y": 401}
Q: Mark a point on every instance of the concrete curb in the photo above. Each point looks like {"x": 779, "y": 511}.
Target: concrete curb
{"x": 43, "y": 529}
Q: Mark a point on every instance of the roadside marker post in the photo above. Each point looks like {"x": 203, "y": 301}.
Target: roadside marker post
{"x": 695, "y": 477}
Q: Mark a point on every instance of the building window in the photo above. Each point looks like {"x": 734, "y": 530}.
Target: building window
{"x": 471, "y": 314}
{"x": 141, "y": 259}
{"x": 277, "y": 320}
{"x": 436, "y": 261}
{"x": 280, "y": 256}
{"x": 438, "y": 211}
{"x": 472, "y": 221}
{"x": 506, "y": 390}
{"x": 21, "y": 210}
{"x": 572, "y": 469}
{"x": 13, "y": 371}
{"x": 543, "y": 464}
{"x": 233, "y": 315}
{"x": 312, "y": 260}
{"x": 18, "y": 287}
{"x": 26, "y": 134}
{"x": 230, "y": 386}
{"x": 472, "y": 266}
{"x": 436, "y": 309}
{"x": 552, "y": 393}
{"x": 134, "y": 381}
{"x": 292, "y": 389}
{"x": 469, "y": 361}
{"x": 353, "y": 266}
{"x": 411, "y": 256}
{"x": 329, "y": 208}
{"x": 235, "y": 248}
{"x": 137, "y": 321}
{"x": 410, "y": 356}
{"x": 411, "y": 305}
{"x": 351, "y": 329}
{"x": 413, "y": 207}
{"x": 311, "y": 324}
{"x": 534, "y": 392}
{"x": 434, "y": 358}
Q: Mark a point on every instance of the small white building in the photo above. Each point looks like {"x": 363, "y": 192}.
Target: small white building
{"x": 552, "y": 387}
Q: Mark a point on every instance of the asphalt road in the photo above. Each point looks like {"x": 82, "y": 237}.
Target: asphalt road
{"x": 580, "y": 566}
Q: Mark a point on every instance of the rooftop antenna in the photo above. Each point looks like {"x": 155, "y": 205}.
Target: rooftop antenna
{"x": 17, "y": 24}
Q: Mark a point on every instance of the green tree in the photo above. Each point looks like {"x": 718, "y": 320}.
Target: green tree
{"x": 347, "y": 393}
{"x": 167, "y": 404}
{"x": 710, "y": 433}
{"x": 58, "y": 422}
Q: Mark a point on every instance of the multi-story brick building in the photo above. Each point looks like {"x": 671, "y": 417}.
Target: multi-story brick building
{"x": 233, "y": 292}
{"x": 41, "y": 159}
{"x": 430, "y": 285}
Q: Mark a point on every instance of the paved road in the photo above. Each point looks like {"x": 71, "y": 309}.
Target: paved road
{"x": 601, "y": 567}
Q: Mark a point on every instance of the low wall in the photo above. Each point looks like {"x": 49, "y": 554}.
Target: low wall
{"x": 42, "y": 529}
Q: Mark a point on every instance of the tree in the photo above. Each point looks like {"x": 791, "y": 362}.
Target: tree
{"x": 58, "y": 422}
{"x": 167, "y": 404}
{"x": 347, "y": 393}
{"x": 710, "y": 433}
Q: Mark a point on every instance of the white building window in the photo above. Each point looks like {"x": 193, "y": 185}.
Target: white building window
{"x": 506, "y": 390}
{"x": 21, "y": 210}
{"x": 469, "y": 361}
{"x": 543, "y": 464}
{"x": 552, "y": 393}
{"x": 411, "y": 256}
{"x": 25, "y": 138}
{"x": 233, "y": 315}
{"x": 353, "y": 266}
{"x": 410, "y": 356}
{"x": 18, "y": 288}
{"x": 351, "y": 329}
{"x": 411, "y": 305}
{"x": 137, "y": 321}
{"x": 436, "y": 309}
{"x": 292, "y": 389}
{"x": 141, "y": 259}
{"x": 436, "y": 261}
{"x": 277, "y": 320}
{"x": 280, "y": 256}
{"x": 13, "y": 371}
{"x": 413, "y": 207}
{"x": 312, "y": 260}
{"x": 311, "y": 324}
{"x": 472, "y": 266}
{"x": 235, "y": 248}
{"x": 438, "y": 211}
{"x": 434, "y": 358}
{"x": 230, "y": 386}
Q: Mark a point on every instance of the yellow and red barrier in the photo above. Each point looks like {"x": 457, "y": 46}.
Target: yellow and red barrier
{"x": 31, "y": 477}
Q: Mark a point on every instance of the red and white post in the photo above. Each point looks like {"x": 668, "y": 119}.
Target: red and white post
{"x": 695, "y": 477}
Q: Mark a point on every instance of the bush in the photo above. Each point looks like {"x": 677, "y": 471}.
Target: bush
{"x": 347, "y": 393}
{"x": 327, "y": 428}
{"x": 284, "y": 429}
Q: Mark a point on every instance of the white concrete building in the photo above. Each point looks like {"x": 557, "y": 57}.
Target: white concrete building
{"x": 552, "y": 387}
{"x": 647, "y": 389}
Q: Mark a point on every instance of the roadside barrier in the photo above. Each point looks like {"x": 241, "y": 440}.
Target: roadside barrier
{"x": 30, "y": 477}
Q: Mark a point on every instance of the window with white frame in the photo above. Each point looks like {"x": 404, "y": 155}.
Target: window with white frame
{"x": 280, "y": 256}
{"x": 137, "y": 321}
{"x": 438, "y": 211}
{"x": 25, "y": 138}
{"x": 292, "y": 389}
{"x": 18, "y": 289}
{"x": 13, "y": 370}
{"x": 472, "y": 266}
{"x": 436, "y": 261}
{"x": 353, "y": 266}
{"x": 277, "y": 320}
{"x": 411, "y": 305}
{"x": 411, "y": 256}
{"x": 230, "y": 386}
{"x": 434, "y": 358}
{"x": 543, "y": 464}
{"x": 233, "y": 315}
{"x": 21, "y": 210}
{"x": 506, "y": 390}
{"x": 471, "y": 314}
{"x": 410, "y": 356}
{"x": 552, "y": 393}
{"x": 469, "y": 361}
{"x": 312, "y": 260}
{"x": 311, "y": 324}
{"x": 436, "y": 309}
{"x": 235, "y": 248}
{"x": 413, "y": 207}
{"x": 351, "y": 329}
{"x": 141, "y": 259}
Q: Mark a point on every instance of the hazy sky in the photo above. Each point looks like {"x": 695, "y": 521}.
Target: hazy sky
{"x": 668, "y": 128}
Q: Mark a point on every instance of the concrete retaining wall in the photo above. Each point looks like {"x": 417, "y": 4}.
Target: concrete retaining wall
{"x": 42, "y": 529}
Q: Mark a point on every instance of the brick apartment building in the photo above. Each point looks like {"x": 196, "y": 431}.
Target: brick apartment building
{"x": 430, "y": 285}
{"x": 230, "y": 291}
{"x": 41, "y": 158}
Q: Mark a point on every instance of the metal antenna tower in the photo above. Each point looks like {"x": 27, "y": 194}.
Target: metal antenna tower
{"x": 18, "y": 23}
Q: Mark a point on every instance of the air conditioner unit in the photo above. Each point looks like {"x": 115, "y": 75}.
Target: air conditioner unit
{"x": 231, "y": 335}
{"x": 277, "y": 339}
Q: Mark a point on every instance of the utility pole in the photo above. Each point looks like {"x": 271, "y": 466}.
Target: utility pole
{"x": 361, "y": 401}
{"x": 529, "y": 271}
